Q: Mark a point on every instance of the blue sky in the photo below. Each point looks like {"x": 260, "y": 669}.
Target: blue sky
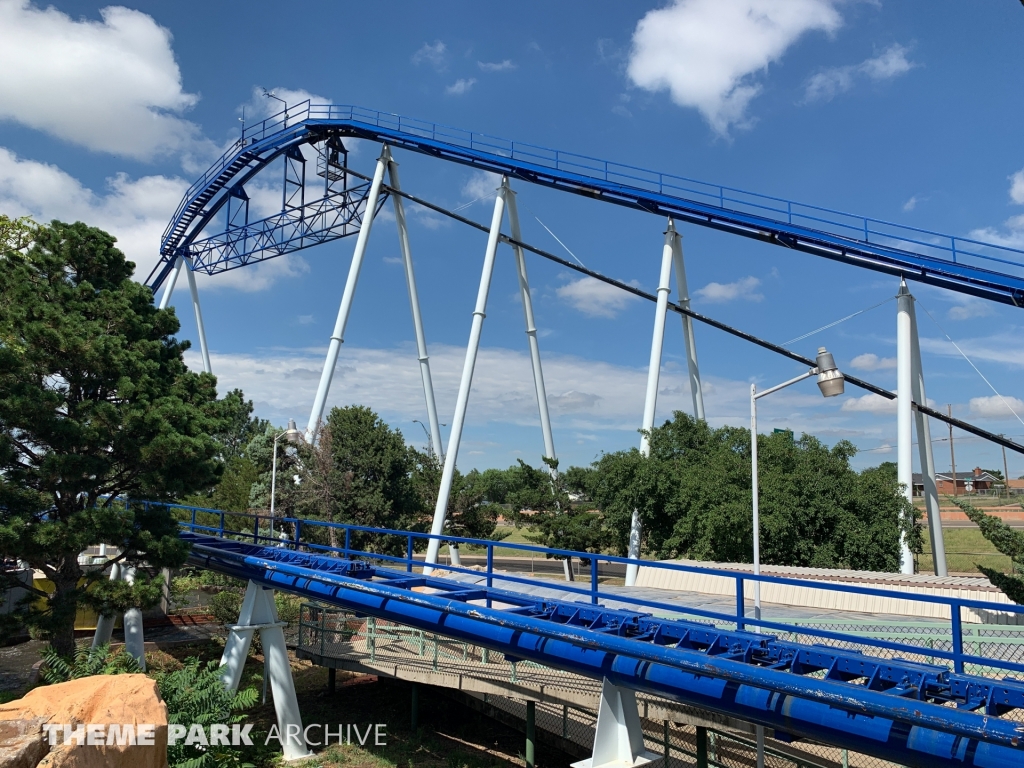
{"x": 909, "y": 112}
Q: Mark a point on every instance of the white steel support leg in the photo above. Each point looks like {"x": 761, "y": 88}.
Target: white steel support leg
{"x": 618, "y": 735}
{"x": 904, "y": 411}
{"x": 417, "y": 320}
{"x": 171, "y": 280}
{"x": 531, "y": 327}
{"x": 691, "y": 345}
{"x": 459, "y": 419}
{"x": 338, "y": 336}
{"x": 105, "y": 622}
{"x": 199, "y": 316}
{"x": 653, "y": 378}
{"x": 924, "y": 448}
{"x": 134, "y": 640}
{"x": 259, "y": 614}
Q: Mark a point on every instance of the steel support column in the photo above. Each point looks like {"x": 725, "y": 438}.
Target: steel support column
{"x": 105, "y": 621}
{"x": 203, "y": 348}
{"x": 459, "y": 419}
{"x": 134, "y": 639}
{"x": 924, "y": 448}
{"x": 653, "y": 379}
{"x": 414, "y": 305}
{"x": 259, "y": 614}
{"x": 531, "y": 328}
{"x": 338, "y": 336}
{"x": 904, "y": 410}
{"x": 696, "y": 393}
{"x": 171, "y": 280}
{"x": 618, "y": 735}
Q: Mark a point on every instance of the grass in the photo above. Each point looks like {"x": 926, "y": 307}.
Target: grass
{"x": 966, "y": 548}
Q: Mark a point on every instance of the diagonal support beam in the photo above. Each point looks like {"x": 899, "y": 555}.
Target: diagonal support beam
{"x": 338, "y": 336}
{"x": 473, "y": 347}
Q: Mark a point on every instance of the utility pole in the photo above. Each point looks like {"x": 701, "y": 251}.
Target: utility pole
{"x": 952, "y": 456}
{"x": 1006, "y": 473}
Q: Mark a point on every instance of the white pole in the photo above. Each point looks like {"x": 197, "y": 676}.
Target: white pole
{"x": 171, "y": 280}
{"x": 417, "y": 320}
{"x": 531, "y": 327}
{"x": 924, "y": 448}
{"x": 754, "y": 490}
{"x": 691, "y": 345}
{"x": 472, "y": 348}
{"x": 273, "y": 486}
{"x": 134, "y": 641}
{"x": 904, "y": 411}
{"x": 346, "y": 299}
{"x": 653, "y": 377}
{"x": 199, "y": 317}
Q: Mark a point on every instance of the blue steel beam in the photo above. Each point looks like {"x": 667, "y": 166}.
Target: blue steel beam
{"x": 913, "y": 714}
{"x": 963, "y": 265}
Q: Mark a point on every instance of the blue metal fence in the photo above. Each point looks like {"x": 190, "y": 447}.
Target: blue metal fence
{"x": 216, "y": 523}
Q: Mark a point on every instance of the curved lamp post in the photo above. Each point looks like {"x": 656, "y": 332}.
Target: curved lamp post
{"x": 831, "y": 383}
{"x": 292, "y": 435}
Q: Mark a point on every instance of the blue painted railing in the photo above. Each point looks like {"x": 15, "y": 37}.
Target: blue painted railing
{"x": 861, "y": 229}
{"x": 216, "y": 522}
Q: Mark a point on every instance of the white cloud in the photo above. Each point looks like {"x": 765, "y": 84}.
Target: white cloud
{"x": 1004, "y": 347}
{"x": 435, "y": 55}
{"x": 497, "y": 66}
{"x": 872, "y": 362}
{"x": 135, "y": 211}
{"x": 995, "y": 407}
{"x": 1010, "y": 237}
{"x": 706, "y": 53}
{"x": 970, "y": 307}
{"x": 481, "y": 184}
{"x": 595, "y": 298}
{"x": 825, "y": 85}
{"x": 110, "y": 86}
{"x": 460, "y": 86}
{"x": 1017, "y": 187}
{"x": 305, "y": 319}
{"x": 583, "y": 394}
{"x": 911, "y": 204}
{"x": 744, "y": 288}
{"x": 869, "y": 403}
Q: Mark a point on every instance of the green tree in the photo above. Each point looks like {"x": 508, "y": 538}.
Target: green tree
{"x": 1008, "y": 541}
{"x": 375, "y": 468}
{"x": 694, "y": 498}
{"x": 540, "y": 499}
{"x": 468, "y": 514}
{"x": 95, "y": 402}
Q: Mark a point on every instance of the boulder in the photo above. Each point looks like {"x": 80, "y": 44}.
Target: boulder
{"x": 103, "y": 700}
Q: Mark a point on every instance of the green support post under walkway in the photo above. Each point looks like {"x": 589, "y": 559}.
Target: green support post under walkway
{"x": 702, "y": 747}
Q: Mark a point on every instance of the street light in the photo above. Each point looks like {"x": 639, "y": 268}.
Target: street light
{"x": 292, "y": 435}
{"x": 831, "y": 383}
{"x": 430, "y": 442}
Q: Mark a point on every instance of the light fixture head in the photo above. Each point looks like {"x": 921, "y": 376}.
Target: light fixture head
{"x": 292, "y": 434}
{"x": 831, "y": 381}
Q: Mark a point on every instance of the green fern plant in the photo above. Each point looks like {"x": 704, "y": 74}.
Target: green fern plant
{"x": 85, "y": 663}
{"x": 195, "y": 694}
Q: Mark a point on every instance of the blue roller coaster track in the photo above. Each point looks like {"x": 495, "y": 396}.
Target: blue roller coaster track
{"x": 880, "y": 698}
{"x": 968, "y": 266}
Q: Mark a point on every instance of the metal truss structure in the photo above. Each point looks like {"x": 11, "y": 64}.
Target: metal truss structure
{"x": 960, "y": 264}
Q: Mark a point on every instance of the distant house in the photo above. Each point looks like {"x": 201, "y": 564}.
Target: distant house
{"x": 975, "y": 481}
{"x": 1016, "y": 487}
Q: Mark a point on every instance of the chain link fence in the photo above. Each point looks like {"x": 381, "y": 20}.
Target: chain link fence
{"x": 328, "y": 632}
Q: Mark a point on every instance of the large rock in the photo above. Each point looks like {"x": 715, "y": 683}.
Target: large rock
{"x": 103, "y": 700}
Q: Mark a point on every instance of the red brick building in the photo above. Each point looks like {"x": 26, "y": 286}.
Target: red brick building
{"x": 975, "y": 481}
